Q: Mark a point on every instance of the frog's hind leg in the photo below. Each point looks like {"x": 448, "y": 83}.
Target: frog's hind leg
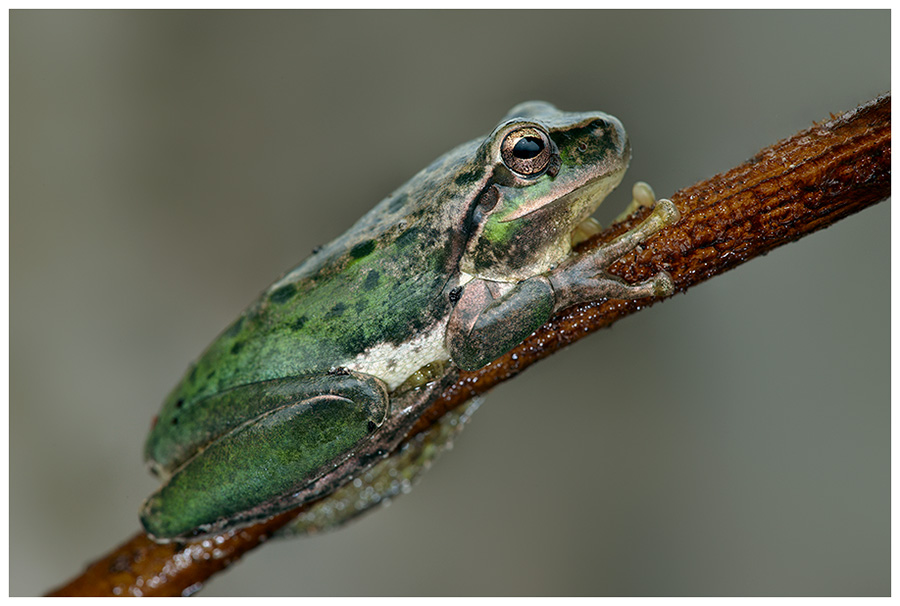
{"x": 388, "y": 478}
{"x": 294, "y": 430}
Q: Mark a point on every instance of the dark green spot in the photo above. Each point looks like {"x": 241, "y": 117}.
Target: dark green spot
{"x": 467, "y": 178}
{"x": 284, "y": 293}
{"x": 211, "y": 374}
{"x": 360, "y": 306}
{"x": 408, "y": 237}
{"x": 397, "y": 203}
{"x": 355, "y": 340}
{"x": 336, "y": 312}
{"x": 363, "y": 249}
{"x": 298, "y": 323}
{"x": 371, "y": 280}
{"x": 237, "y": 347}
{"x": 235, "y": 328}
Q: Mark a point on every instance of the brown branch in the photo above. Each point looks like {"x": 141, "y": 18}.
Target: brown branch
{"x": 785, "y": 192}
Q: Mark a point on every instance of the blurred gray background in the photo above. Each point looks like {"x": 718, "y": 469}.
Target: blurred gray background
{"x": 167, "y": 166}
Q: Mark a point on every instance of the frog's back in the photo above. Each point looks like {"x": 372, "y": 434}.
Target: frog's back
{"x": 321, "y": 321}
{"x": 384, "y": 282}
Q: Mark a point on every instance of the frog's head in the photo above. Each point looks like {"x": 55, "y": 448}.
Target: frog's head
{"x": 550, "y": 171}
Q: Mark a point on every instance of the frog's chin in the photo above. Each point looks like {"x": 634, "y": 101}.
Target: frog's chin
{"x": 581, "y": 202}
{"x": 589, "y": 196}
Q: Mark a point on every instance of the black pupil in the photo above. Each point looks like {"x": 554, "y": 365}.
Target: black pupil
{"x": 528, "y": 147}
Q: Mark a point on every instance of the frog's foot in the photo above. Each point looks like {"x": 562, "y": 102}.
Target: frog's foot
{"x": 611, "y": 287}
{"x": 660, "y": 285}
{"x": 664, "y": 214}
{"x": 584, "y": 277}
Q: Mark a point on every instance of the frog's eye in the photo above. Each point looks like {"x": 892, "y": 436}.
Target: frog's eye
{"x": 526, "y": 151}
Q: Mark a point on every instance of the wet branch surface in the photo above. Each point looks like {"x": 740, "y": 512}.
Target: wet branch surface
{"x": 785, "y": 192}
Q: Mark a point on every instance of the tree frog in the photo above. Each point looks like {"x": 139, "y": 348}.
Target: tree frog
{"x": 322, "y": 377}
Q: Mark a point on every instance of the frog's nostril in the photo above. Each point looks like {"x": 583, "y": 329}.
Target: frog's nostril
{"x": 601, "y": 127}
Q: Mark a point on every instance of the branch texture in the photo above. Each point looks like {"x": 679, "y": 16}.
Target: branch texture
{"x": 785, "y": 192}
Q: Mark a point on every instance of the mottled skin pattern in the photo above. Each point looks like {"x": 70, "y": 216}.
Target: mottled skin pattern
{"x": 373, "y": 284}
{"x": 459, "y": 264}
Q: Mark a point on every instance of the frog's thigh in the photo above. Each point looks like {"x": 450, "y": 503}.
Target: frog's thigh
{"x": 240, "y": 474}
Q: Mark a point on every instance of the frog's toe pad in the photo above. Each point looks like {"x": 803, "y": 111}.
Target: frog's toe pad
{"x": 642, "y": 195}
{"x": 586, "y": 229}
{"x": 667, "y": 211}
{"x": 663, "y": 285}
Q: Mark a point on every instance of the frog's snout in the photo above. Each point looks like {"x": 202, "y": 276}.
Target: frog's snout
{"x": 610, "y": 129}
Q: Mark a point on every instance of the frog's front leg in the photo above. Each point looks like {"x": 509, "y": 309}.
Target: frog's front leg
{"x": 490, "y": 318}
{"x": 309, "y": 423}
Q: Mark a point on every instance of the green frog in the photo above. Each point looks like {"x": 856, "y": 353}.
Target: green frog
{"x": 311, "y": 391}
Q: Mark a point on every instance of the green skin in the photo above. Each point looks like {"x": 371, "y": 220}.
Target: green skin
{"x": 328, "y": 370}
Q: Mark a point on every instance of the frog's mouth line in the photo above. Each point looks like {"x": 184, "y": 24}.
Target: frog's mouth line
{"x": 597, "y": 188}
